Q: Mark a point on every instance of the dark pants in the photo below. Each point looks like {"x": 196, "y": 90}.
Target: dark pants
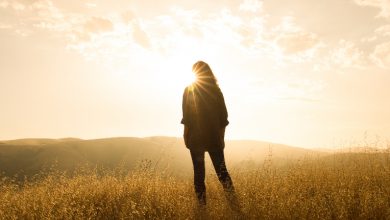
{"x": 218, "y": 160}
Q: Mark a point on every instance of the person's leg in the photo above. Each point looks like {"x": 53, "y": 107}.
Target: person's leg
{"x": 218, "y": 160}
{"x": 199, "y": 175}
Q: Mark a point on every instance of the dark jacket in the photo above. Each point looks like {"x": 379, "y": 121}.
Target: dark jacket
{"x": 204, "y": 111}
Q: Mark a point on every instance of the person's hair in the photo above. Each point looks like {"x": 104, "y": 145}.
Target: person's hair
{"x": 204, "y": 74}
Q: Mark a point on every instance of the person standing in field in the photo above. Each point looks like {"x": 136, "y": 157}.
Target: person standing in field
{"x": 205, "y": 119}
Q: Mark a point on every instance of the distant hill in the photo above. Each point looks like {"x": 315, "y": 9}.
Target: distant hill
{"x": 38, "y": 141}
{"x": 29, "y": 155}
{"x": 323, "y": 150}
{"x": 352, "y": 150}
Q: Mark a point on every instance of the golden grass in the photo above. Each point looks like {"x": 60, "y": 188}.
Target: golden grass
{"x": 340, "y": 186}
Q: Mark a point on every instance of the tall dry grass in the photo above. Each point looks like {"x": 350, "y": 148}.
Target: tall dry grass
{"x": 339, "y": 186}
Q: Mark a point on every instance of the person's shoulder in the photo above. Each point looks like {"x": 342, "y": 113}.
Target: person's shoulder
{"x": 185, "y": 93}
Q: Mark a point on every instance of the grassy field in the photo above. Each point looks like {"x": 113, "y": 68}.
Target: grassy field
{"x": 339, "y": 186}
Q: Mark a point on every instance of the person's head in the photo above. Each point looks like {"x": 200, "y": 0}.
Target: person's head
{"x": 204, "y": 74}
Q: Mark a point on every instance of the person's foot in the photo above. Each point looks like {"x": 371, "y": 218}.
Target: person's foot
{"x": 202, "y": 199}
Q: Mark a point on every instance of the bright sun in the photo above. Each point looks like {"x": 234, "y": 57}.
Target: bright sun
{"x": 179, "y": 72}
{"x": 191, "y": 77}
{"x": 187, "y": 78}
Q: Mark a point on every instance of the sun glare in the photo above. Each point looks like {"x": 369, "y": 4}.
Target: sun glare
{"x": 187, "y": 78}
{"x": 191, "y": 78}
{"x": 178, "y": 79}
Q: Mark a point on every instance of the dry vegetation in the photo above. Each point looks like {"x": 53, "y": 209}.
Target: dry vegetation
{"x": 339, "y": 186}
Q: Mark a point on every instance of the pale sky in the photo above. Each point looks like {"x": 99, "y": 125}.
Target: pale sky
{"x": 301, "y": 73}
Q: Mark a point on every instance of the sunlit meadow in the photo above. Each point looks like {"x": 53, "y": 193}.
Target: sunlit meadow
{"x": 351, "y": 183}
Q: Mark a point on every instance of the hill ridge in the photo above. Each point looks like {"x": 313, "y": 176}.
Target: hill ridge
{"x": 31, "y": 154}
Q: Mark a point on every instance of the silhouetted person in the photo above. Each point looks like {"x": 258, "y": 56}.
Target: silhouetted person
{"x": 205, "y": 118}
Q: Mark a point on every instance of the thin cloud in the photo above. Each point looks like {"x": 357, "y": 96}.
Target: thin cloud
{"x": 47, "y": 9}
{"x": 310, "y": 100}
{"x": 4, "y": 4}
{"x": 384, "y": 30}
{"x": 297, "y": 42}
{"x": 12, "y": 4}
{"x": 258, "y": 83}
{"x": 368, "y": 39}
{"x": 283, "y": 43}
{"x": 90, "y": 5}
{"x": 291, "y": 41}
{"x": 322, "y": 66}
{"x": 381, "y": 55}
{"x": 166, "y": 20}
{"x": 5, "y": 26}
{"x": 139, "y": 35}
{"x": 307, "y": 85}
{"x": 127, "y": 16}
{"x": 384, "y": 5}
{"x": 251, "y": 5}
{"x": 299, "y": 99}
{"x": 347, "y": 55}
{"x": 51, "y": 17}
{"x": 20, "y": 33}
{"x": 294, "y": 86}
{"x": 99, "y": 25}
{"x": 193, "y": 31}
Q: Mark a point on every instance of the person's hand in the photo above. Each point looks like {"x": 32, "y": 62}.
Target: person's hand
{"x": 223, "y": 135}
{"x": 223, "y": 141}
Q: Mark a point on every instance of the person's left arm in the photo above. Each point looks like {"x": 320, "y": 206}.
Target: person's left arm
{"x": 223, "y": 114}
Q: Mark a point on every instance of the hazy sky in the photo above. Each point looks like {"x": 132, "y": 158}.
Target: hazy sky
{"x": 301, "y": 72}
